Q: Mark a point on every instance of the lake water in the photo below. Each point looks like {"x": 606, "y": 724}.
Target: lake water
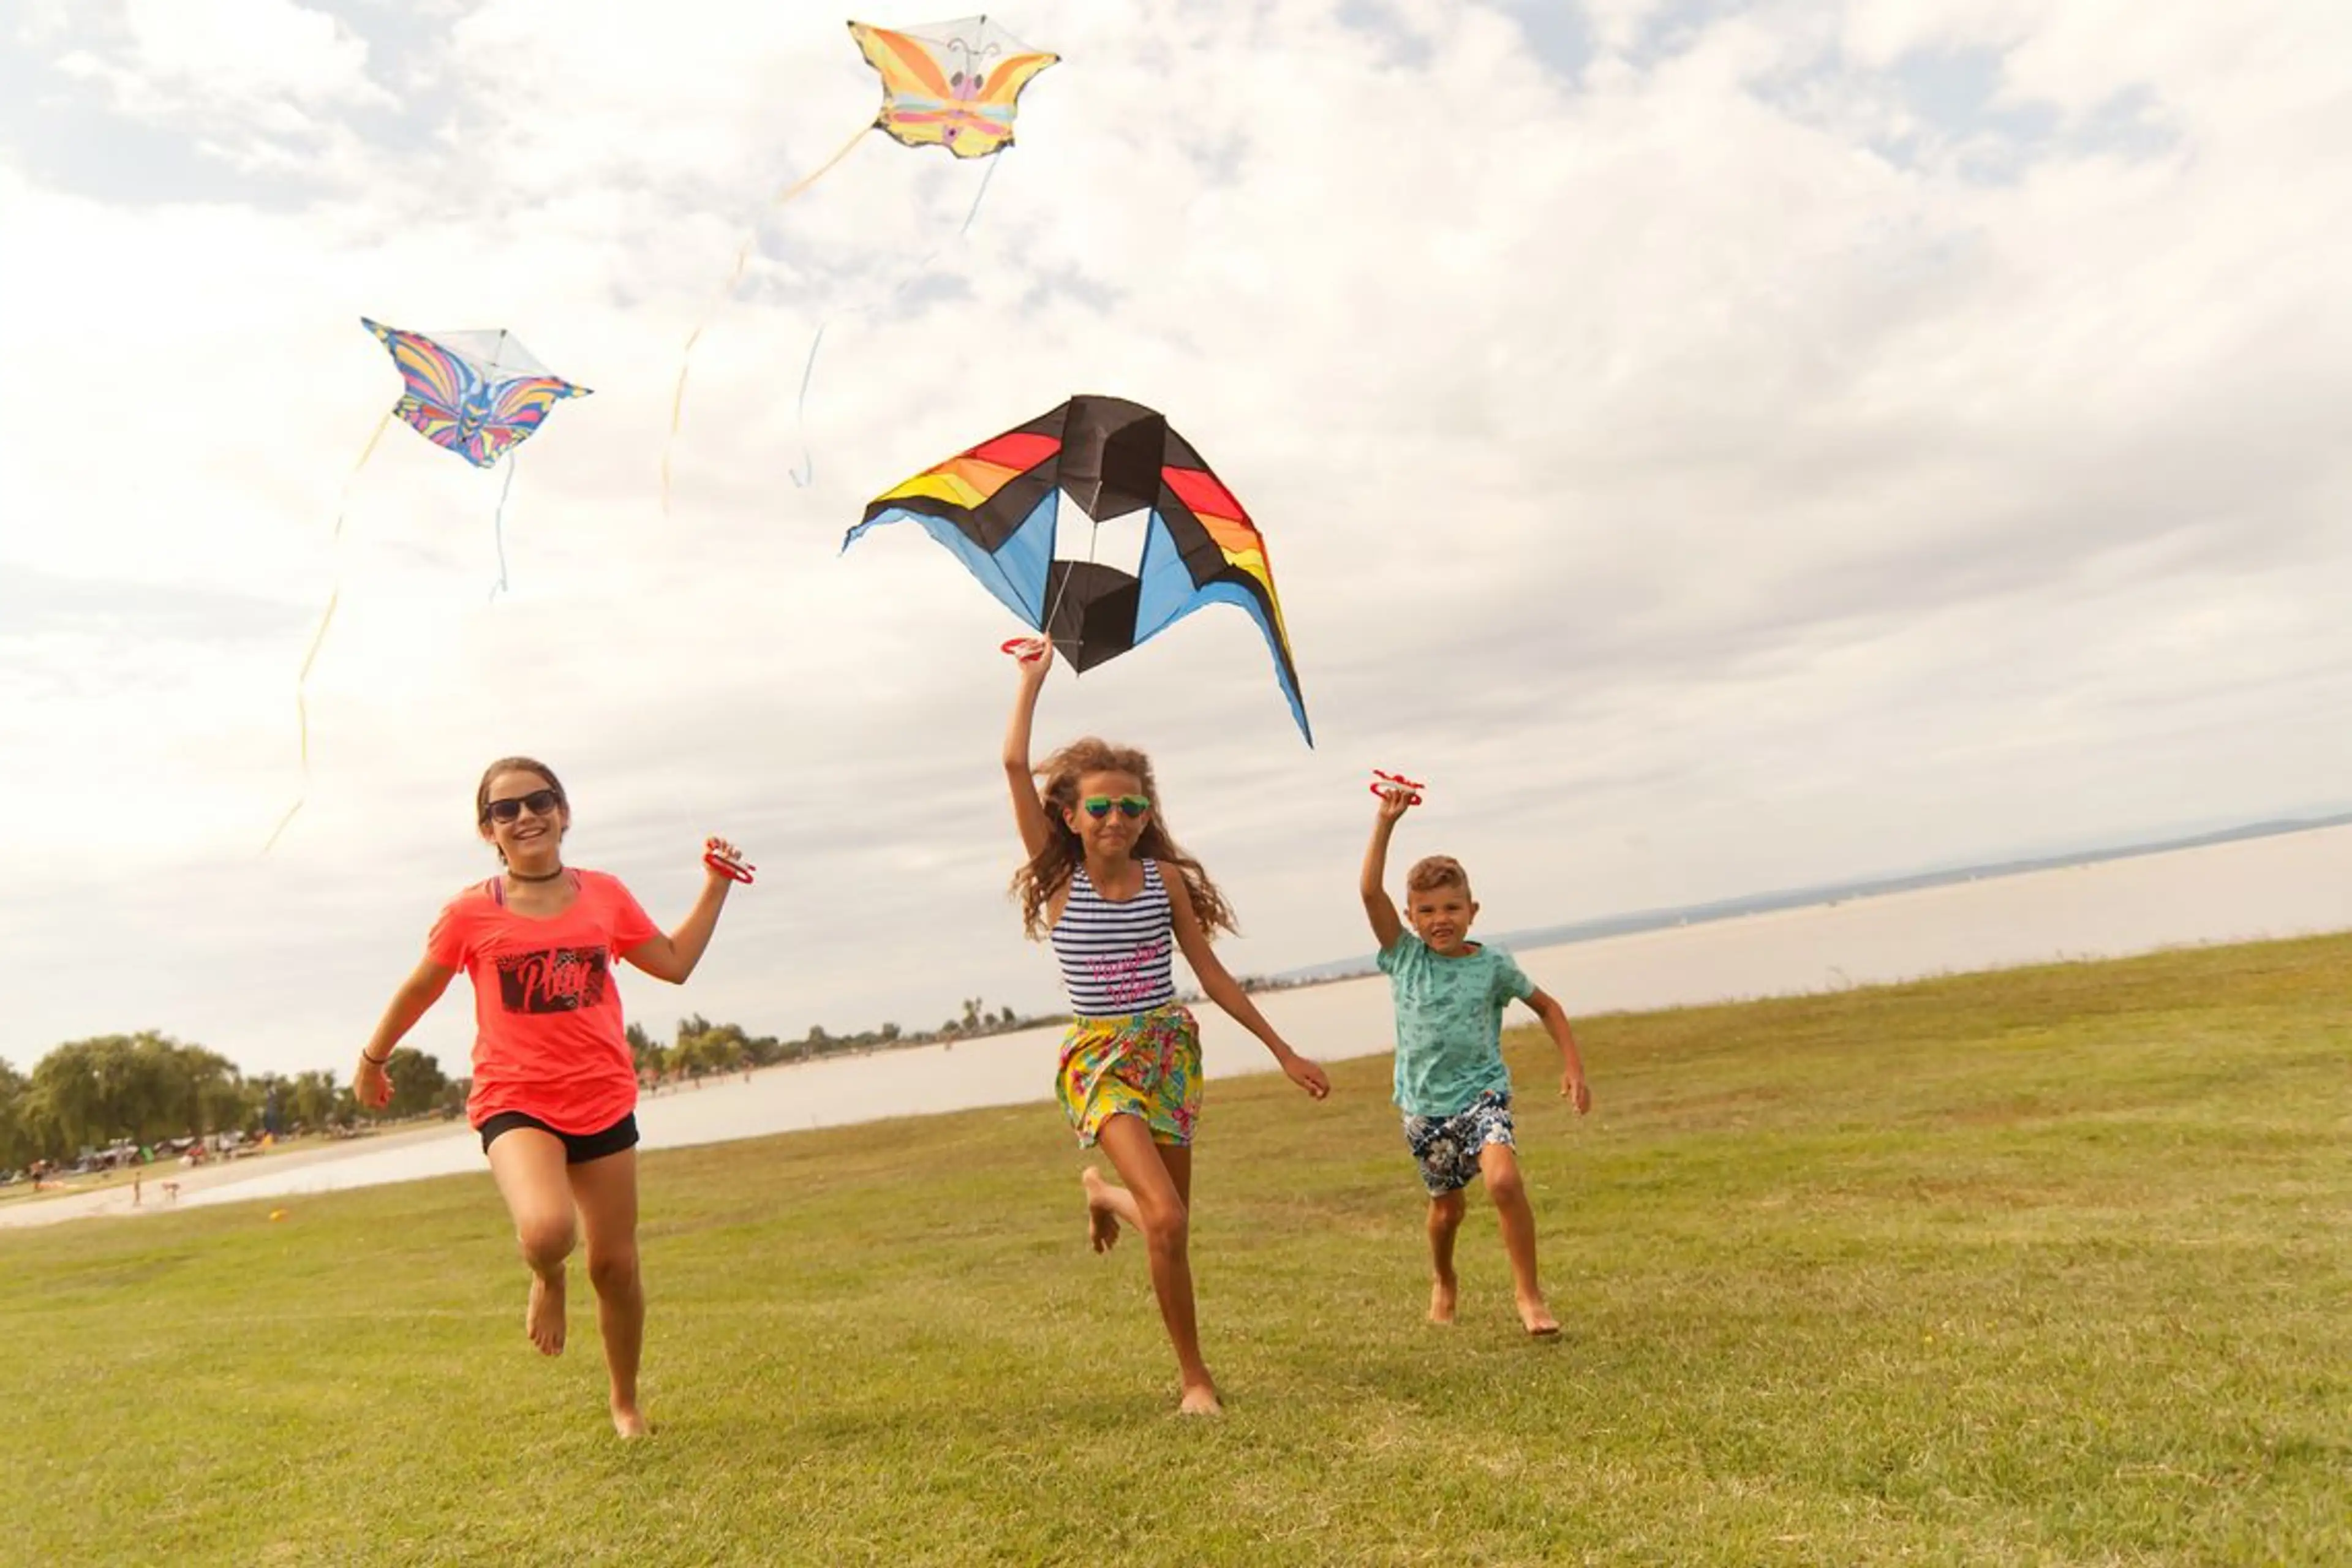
{"x": 2286, "y": 884}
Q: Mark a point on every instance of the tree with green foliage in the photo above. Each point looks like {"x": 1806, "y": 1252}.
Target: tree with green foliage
{"x": 19, "y": 1146}
{"x": 144, "y": 1087}
{"x": 314, "y": 1099}
{"x": 708, "y": 1047}
{"x": 643, "y": 1054}
{"x": 417, "y": 1082}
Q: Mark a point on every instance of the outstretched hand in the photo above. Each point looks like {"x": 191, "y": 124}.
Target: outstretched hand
{"x": 1394, "y": 801}
{"x": 725, "y": 860}
{"x": 1035, "y": 656}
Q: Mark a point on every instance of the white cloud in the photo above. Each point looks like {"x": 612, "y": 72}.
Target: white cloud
{"x": 261, "y": 85}
{"x": 248, "y": 51}
{"x": 1699, "y": 498}
{"x": 1617, "y": 23}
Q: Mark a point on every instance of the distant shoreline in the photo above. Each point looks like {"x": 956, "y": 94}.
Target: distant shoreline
{"x": 1825, "y": 893}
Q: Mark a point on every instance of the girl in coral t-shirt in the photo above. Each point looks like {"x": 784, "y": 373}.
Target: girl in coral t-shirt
{"x": 555, "y": 1087}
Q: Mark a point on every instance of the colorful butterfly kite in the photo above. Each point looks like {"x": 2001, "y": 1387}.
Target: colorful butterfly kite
{"x": 477, "y": 394}
{"x": 949, "y": 84}
{"x": 998, "y": 508}
{"x": 955, "y": 85}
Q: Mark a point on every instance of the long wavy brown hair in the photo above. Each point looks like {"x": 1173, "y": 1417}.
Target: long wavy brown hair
{"x": 1049, "y": 872}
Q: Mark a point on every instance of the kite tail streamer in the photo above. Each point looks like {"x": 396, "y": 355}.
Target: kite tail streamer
{"x": 499, "y": 525}
{"x": 302, "y": 708}
{"x": 978, "y": 197}
{"x": 742, "y": 258}
{"x": 808, "y": 459}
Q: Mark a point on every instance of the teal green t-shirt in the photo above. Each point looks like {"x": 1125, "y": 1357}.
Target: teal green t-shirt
{"x": 1449, "y": 1022}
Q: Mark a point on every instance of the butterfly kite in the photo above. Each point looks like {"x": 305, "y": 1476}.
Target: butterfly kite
{"x": 998, "y": 507}
{"x": 949, "y": 84}
{"x": 955, "y": 85}
{"x": 477, "y": 394}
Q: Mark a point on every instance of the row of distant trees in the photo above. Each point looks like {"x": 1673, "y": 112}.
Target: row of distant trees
{"x": 150, "y": 1088}
{"x": 702, "y": 1047}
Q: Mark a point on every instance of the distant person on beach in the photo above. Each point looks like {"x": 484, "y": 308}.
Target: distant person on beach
{"x": 555, "y": 1086}
{"x": 1451, "y": 1084}
{"x": 1114, "y": 893}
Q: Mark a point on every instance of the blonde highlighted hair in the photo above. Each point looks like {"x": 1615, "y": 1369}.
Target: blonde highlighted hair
{"x": 1431, "y": 872}
{"x": 1049, "y": 871}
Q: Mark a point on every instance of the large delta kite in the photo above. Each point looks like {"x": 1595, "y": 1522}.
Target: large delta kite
{"x": 998, "y": 507}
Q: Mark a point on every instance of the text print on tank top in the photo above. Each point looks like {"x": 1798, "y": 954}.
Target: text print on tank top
{"x": 1115, "y": 956}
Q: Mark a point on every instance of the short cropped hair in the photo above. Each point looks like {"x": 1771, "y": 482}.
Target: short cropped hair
{"x": 1434, "y": 871}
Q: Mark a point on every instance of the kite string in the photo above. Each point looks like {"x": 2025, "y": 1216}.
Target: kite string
{"x": 742, "y": 258}
{"x": 1093, "y": 536}
{"x": 808, "y": 459}
{"x": 334, "y": 595}
{"x": 499, "y": 523}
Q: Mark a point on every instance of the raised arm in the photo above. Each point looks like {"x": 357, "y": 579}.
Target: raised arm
{"x": 411, "y": 1002}
{"x": 1394, "y": 803}
{"x": 1220, "y": 987}
{"x": 673, "y": 956}
{"x": 1036, "y": 656}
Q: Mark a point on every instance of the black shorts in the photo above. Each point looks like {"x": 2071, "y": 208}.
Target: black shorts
{"x": 579, "y": 1148}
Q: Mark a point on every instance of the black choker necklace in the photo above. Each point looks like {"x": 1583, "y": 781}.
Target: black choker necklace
{"x": 521, "y": 876}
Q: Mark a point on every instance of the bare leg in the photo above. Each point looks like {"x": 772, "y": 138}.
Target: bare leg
{"x": 1107, "y": 1207}
{"x": 1157, "y": 1195}
{"x": 1501, "y": 1169}
{"x": 527, "y": 1165}
{"x": 1445, "y": 1219}
{"x": 607, "y": 1192}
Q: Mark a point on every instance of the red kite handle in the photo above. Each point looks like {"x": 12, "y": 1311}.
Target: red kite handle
{"x": 1411, "y": 786}
{"x": 725, "y": 865}
{"x": 1012, "y": 647}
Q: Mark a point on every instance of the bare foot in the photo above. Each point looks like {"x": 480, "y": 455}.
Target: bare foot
{"x": 1538, "y": 1318}
{"x": 543, "y": 1318}
{"x": 629, "y": 1421}
{"x": 1440, "y": 1301}
{"x": 1102, "y": 1225}
{"x": 1200, "y": 1399}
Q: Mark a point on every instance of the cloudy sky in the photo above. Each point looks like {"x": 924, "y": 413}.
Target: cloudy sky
{"x": 1719, "y": 446}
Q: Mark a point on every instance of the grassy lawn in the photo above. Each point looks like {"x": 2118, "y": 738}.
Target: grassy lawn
{"x": 2050, "y": 1266}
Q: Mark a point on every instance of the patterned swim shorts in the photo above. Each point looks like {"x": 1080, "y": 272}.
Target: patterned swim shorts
{"x": 1447, "y": 1146}
{"x": 1145, "y": 1064}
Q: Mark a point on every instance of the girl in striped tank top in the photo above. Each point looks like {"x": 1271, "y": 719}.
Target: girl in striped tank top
{"x": 1117, "y": 897}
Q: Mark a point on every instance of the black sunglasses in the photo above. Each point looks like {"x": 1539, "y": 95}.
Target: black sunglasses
{"x": 539, "y": 803}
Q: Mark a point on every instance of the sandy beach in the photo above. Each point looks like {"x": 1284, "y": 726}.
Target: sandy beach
{"x": 114, "y": 1199}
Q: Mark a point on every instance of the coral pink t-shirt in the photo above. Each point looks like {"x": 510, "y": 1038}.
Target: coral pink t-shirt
{"x": 547, "y": 1032}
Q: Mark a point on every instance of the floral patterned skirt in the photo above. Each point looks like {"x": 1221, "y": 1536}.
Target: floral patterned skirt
{"x": 1144, "y": 1064}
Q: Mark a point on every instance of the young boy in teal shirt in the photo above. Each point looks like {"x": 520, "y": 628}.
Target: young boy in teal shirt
{"x": 1450, "y": 1083}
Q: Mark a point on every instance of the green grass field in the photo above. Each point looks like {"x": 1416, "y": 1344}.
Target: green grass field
{"x": 2048, "y": 1265}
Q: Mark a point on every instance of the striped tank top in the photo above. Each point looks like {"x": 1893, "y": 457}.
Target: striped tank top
{"x": 1115, "y": 956}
